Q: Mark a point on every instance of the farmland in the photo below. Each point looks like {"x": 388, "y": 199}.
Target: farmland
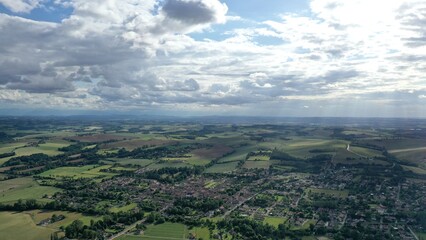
{"x": 133, "y": 180}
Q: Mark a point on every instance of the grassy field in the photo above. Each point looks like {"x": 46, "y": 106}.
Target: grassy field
{"x": 274, "y": 221}
{"x": 239, "y": 154}
{"x": 175, "y": 164}
{"x": 39, "y": 215}
{"x": 414, "y": 156}
{"x": 131, "y": 161}
{"x": 415, "y": 170}
{"x": 203, "y": 156}
{"x": 304, "y": 226}
{"x": 21, "y": 226}
{"x": 222, "y": 167}
{"x": 301, "y": 147}
{"x": 200, "y": 232}
{"x": 24, "y": 188}
{"x": 399, "y": 144}
{"x": 345, "y": 157}
{"x": 172, "y": 231}
{"x": 421, "y": 236}
{"x": 366, "y": 152}
{"x": 89, "y": 171}
{"x": 166, "y": 230}
{"x": 335, "y": 193}
{"x": 211, "y": 184}
{"x": 125, "y": 208}
{"x": 136, "y": 143}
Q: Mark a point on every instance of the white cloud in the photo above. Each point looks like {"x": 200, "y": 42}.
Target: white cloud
{"x": 23, "y": 6}
{"x": 131, "y": 53}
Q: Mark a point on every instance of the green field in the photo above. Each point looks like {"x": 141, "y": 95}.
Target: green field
{"x": 257, "y": 164}
{"x": 176, "y": 164}
{"x": 274, "y": 221}
{"x": 39, "y": 215}
{"x": 415, "y": 170}
{"x": 301, "y": 147}
{"x": 414, "y": 156}
{"x": 131, "y": 161}
{"x": 335, "y": 193}
{"x": 239, "y": 154}
{"x": 421, "y": 236}
{"x": 370, "y": 153}
{"x": 88, "y": 171}
{"x": 304, "y": 226}
{"x": 200, "y": 232}
{"x": 21, "y": 226}
{"x": 172, "y": 231}
{"x": 125, "y": 208}
{"x": 24, "y": 188}
{"x": 50, "y": 148}
{"x": 222, "y": 167}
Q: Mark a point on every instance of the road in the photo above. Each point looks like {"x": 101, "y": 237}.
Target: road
{"x": 414, "y": 235}
{"x": 126, "y": 230}
{"x": 239, "y": 204}
{"x": 130, "y": 227}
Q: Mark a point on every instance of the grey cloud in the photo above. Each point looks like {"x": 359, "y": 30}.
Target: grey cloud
{"x": 42, "y": 85}
{"x": 187, "y": 85}
{"x": 191, "y": 11}
{"x": 216, "y": 87}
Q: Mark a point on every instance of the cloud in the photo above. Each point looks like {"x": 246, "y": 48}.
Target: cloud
{"x": 133, "y": 54}
{"x": 195, "y": 12}
{"x": 22, "y": 6}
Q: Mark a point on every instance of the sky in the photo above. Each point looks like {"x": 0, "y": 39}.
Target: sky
{"x": 305, "y": 58}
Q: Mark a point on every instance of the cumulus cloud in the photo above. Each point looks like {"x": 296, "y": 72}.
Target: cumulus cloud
{"x": 130, "y": 53}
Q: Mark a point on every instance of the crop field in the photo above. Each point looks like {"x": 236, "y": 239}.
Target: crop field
{"x": 175, "y": 164}
{"x": 24, "y": 188}
{"x": 222, "y": 167}
{"x": 335, "y": 193}
{"x": 21, "y": 226}
{"x": 88, "y": 171}
{"x": 203, "y": 156}
{"x": 136, "y": 143}
{"x": 99, "y": 138}
{"x": 131, "y": 161}
{"x": 257, "y": 164}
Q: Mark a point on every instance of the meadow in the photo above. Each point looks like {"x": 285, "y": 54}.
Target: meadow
{"x": 24, "y": 188}
{"x": 88, "y": 171}
{"x": 15, "y": 225}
